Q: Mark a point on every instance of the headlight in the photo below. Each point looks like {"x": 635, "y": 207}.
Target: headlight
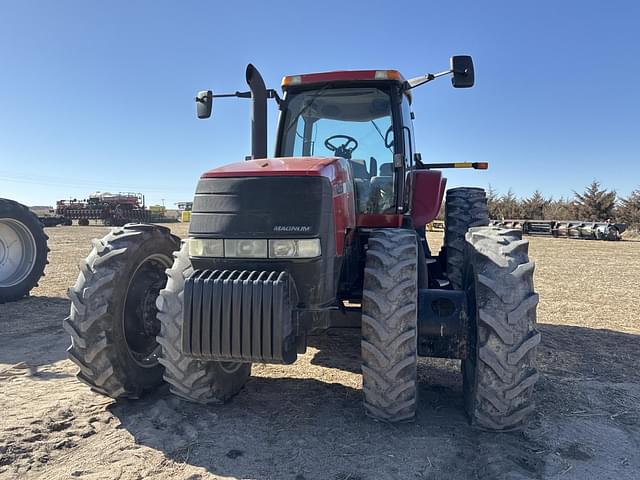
{"x": 206, "y": 247}
{"x": 248, "y": 248}
{"x": 285, "y": 248}
{"x": 245, "y": 248}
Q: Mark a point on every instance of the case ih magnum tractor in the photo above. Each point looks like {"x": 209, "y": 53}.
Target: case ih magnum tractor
{"x": 327, "y": 233}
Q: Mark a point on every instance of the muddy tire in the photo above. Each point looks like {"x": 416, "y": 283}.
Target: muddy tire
{"x": 23, "y": 250}
{"x": 113, "y": 324}
{"x": 189, "y": 378}
{"x": 389, "y": 325}
{"x": 464, "y": 208}
{"x": 500, "y": 374}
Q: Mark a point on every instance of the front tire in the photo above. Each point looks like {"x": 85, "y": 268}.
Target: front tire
{"x": 189, "y": 378}
{"x": 23, "y": 250}
{"x": 500, "y": 373}
{"x": 113, "y": 323}
{"x": 389, "y": 325}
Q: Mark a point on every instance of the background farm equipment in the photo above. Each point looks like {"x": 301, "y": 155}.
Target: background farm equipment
{"x": 566, "y": 228}
{"x": 184, "y": 209}
{"x": 435, "y": 226}
{"x": 160, "y": 214}
{"x": 108, "y": 208}
{"x": 53, "y": 220}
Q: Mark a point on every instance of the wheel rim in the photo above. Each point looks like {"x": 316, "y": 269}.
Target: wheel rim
{"x": 17, "y": 252}
{"x": 140, "y": 322}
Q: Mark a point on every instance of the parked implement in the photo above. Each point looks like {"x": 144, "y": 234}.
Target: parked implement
{"x": 23, "y": 250}
{"x": 567, "y": 228}
{"x": 327, "y": 233}
{"x": 108, "y": 208}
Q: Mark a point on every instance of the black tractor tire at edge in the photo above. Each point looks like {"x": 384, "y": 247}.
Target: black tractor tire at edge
{"x": 465, "y": 207}
{"x": 500, "y": 373}
{"x": 98, "y": 304}
{"x": 12, "y": 210}
{"x": 192, "y": 379}
{"x": 389, "y": 325}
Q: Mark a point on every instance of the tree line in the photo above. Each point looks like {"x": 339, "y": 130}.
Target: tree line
{"x": 593, "y": 204}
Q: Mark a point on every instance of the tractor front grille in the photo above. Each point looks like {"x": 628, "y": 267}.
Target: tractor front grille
{"x": 261, "y": 207}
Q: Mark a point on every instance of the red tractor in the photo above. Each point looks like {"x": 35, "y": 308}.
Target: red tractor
{"x": 329, "y": 232}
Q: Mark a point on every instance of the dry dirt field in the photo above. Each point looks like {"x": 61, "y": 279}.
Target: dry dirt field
{"x": 306, "y": 422}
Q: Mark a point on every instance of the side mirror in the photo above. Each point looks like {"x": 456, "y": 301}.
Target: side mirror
{"x": 462, "y": 68}
{"x": 204, "y": 103}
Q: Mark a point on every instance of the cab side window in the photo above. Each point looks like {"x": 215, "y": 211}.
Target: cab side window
{"x": 408, "y": 147}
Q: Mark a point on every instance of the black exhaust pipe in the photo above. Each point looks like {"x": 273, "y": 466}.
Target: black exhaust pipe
{"x": 258, "y": 113}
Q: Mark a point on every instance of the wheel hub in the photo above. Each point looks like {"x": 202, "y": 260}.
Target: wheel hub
{"x": 140, "y": 313}
{"x": 17, "y": 252}
{"x": 148, "y": 311}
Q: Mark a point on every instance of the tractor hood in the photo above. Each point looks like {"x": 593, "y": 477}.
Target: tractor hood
{"x": 267, "y": 167}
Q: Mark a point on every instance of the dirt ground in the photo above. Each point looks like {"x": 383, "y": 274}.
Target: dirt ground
{"x": 305, "y": 421}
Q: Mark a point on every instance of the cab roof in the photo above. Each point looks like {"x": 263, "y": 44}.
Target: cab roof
{"x": 342, "y": 76}
{"x": 345, "y": 76}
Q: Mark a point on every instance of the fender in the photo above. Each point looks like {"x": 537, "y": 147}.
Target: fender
{"x": 426, "y": 199}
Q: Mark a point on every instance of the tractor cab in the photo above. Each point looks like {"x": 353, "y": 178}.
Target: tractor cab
{"x": 362, "y": 116}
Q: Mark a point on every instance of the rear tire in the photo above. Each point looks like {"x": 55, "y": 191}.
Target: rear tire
{"x": 465, "y": 207}
{"x": 500, "y": 373}
{"x": 113, "y": 315}
{"x": 189, "y": 378}
{"x": 389, "y": 325}
{"x": 23, "y": 250}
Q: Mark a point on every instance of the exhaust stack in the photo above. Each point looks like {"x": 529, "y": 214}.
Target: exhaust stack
{"x": 258, "y": 112}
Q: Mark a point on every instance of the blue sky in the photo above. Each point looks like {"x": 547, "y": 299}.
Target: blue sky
{"x": 99, "y": 95}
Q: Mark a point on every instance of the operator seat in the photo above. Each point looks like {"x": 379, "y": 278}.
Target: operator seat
{"x": 359, "y": 169}
{"x": 381, "y": 196}
{"x": 361, "y": 182}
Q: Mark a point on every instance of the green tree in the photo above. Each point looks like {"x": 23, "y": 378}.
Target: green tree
{"x": 493, "y": 203}
{"x": 629, "y": 210}
{"x": 509, "y": 206}
{"x": 560, "y": 209}
{"x": 594, "y": 204}
{"x": 533, "y": 207}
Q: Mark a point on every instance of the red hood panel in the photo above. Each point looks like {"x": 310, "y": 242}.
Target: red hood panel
{"x": 283, "y": 166}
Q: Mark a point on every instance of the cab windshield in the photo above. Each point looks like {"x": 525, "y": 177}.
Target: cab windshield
{"x": 353, "y": 123}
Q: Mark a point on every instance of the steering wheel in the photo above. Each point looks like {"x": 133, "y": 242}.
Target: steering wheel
{"x": 388, "y": 142}
{"x": 343, "y": 150}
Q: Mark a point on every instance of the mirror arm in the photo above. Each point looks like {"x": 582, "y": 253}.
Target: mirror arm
{"x": 417, "y": 81}
{"x": 271, "y": 93}
{"x": 235, "y": 94}
{"x": 224, "y": 95}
